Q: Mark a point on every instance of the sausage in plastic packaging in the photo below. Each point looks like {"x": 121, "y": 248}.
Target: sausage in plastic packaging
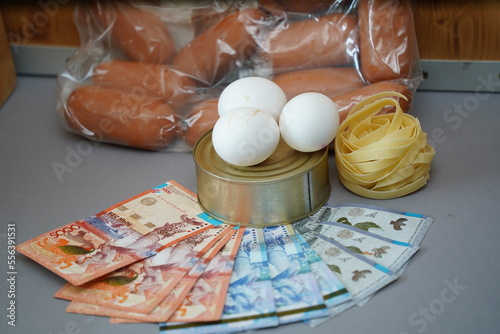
{"x": 163, "y": 82}
{"x": 151, "y": 43}
{"x": 328, "y": 40}
{"x": 152, "y": 71}
{"x": 211, "y": 55}
{"x": 387, "y": 51}
{"x": 345, "y": 102}
{"x": 112, "y": 115}
{"x": 201, "y": 119}
{"x": 329, "y": 81}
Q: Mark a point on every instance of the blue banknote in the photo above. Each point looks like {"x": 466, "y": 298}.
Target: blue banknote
{"x": 296, "y": 292}
{"x": 334, "y": 292}
{"x": 249, "y": 301}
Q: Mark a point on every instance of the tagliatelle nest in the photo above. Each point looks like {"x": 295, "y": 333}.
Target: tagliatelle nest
{"x": 382, "y": 156}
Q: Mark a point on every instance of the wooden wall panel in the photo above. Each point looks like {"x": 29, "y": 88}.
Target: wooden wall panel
{"x": 44, "y": 22}
{"x": 458, "y": 30}
{"x": 8, "y": 78}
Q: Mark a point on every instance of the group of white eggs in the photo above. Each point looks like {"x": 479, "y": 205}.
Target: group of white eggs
{"x": 254, "y": 113}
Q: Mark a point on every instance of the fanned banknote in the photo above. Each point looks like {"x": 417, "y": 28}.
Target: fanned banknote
{"x": 205, "y": 302}
{"x": 334, "y": 292}
{"x": 249, "y": 302}
{"x": 361, "y": 276}
{"x": 170, "y": 303}
{"x": 296, "y": 292}
{"x": 141, "y": 286}
{"x": 353, "y": 240}
{"x": 129, "y": 231}
{"x": 158, "y": 258}
{"x": 387, "y": 252}
{"x": 406, "y": 227}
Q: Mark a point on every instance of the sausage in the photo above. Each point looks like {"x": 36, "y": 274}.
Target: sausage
{"x": 141, "y": 35}
{"x": 329, "y": 40}
{"x": 329, "y": 81}
{"x": 201, "y": 119}
{"x": 387, "y": 40}
{"x": 345, "y": 102}
{"x": 209, "y": 56}
{"x": 159, "y": 81}
{"x": 116, "y": 116}
{"x": 203, "y": 18}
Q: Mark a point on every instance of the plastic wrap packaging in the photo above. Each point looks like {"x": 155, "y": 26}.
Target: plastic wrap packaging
{"x": 148, "y": 73}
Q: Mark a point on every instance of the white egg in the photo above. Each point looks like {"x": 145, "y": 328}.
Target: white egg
{"x": 245, "y": 136}
{"x": 309, "y": 122}
{"x": 256, "y": 92}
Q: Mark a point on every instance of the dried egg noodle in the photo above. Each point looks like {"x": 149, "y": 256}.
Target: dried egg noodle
{"x": 382, "y": 156}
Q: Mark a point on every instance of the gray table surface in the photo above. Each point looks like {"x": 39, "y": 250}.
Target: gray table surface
{"x": 450, "y": 286}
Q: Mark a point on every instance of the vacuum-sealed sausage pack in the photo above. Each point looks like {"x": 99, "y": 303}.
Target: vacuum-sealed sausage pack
{"x": 148, "y": 73}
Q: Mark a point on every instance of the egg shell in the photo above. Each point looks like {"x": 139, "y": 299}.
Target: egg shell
{"x": 256, "y": 92}
{"x": 245, "y": 136}
{"x": 309, "y": 122}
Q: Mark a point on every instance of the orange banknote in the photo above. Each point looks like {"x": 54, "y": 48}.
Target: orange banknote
{"x": 170, "y": 303}
{"x": 205, "y": 301}
{"x": 131, "y": 230}
{"x": 142, "y": 285}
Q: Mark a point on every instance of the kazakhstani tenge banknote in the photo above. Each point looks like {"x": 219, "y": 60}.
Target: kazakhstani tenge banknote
{"x": 141, "y": 286}
{"x": 249, "y": 302}
{"x": 169, "y": 304}
{"x": 205, "y": 301}
{"x": 296, "y": 292}
{"x": 401, "y": 226}
{"x": 334, "y": 292}
{"x": 174, "y": 300}
{"x": 361, "y": 276}
{"x": 389, "y": 253}
{"x": 120, "y": 235}
{"x": 338, "y": 309}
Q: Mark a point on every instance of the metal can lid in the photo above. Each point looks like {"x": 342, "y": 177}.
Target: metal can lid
{"x": 284, "y": 163}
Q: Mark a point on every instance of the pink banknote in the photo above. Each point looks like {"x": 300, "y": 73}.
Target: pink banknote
{"x": 131, "y": 230}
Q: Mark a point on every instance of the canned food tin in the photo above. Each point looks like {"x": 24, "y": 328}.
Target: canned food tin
{"x": 288, "y": 186}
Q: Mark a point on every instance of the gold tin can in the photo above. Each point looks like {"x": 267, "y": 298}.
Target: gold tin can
{"x": 286, "y": 187}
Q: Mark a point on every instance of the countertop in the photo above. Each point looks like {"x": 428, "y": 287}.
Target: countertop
{"x": 450, "y": 286}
